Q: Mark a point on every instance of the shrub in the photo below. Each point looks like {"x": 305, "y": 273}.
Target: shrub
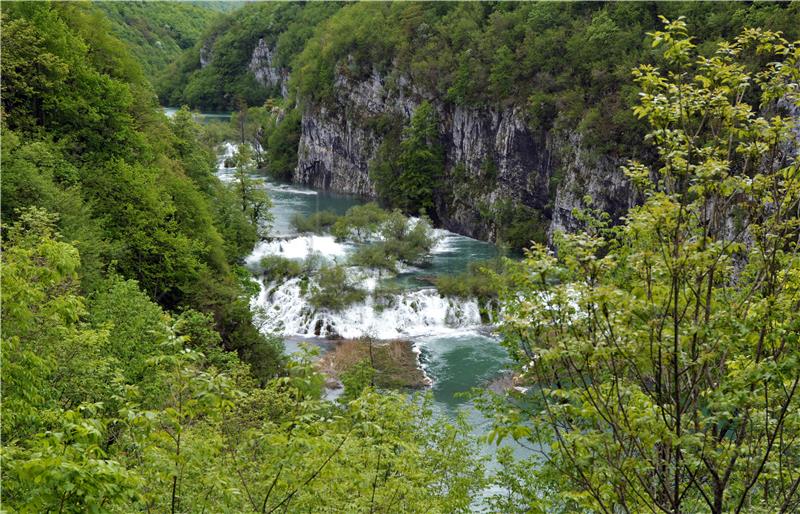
{"x": 333, "y": 290}
{"x": 276, "y": 267}
{"x": 316, "y": 223}
{"x": 479, "y": 281}
{"x": 374, "y": 256}
{"x": 360, "y": 222}
{"x": 409, "y": 245}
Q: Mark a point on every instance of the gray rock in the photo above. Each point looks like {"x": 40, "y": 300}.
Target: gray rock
{"x": 263, "y": 68}
{"x": 492, "y": 158}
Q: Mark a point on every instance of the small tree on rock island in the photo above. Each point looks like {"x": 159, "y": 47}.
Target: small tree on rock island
{"x": 663, "y": 355}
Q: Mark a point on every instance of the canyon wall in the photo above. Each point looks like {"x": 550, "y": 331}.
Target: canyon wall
{"x": 494, "y": 162}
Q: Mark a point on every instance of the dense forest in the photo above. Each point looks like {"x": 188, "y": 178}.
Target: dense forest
{"x": 655, "y": 355}
{"x": 157, "y": 33}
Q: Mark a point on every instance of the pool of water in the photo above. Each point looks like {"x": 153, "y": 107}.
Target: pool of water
{"x": 202, "y": 117}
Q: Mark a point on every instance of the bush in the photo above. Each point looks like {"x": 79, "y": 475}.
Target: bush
{"x": 282, "y": 146}
{"x": 333, "y": 291}
{"x": 360, "y": 222}
{"x": 275, "y": 267}
{"x": 410, "y": 245}
{"x": 479, "y": 281}
{"x": 316, "y": 223}
{"x": 519, "y": 225}
{"x": 374, "y": 256}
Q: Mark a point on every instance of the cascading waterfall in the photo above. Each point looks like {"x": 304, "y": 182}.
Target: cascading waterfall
{"x": 283, "y": 308}
{"x": 456, "y": 349}
{"x": 299, "y": 248}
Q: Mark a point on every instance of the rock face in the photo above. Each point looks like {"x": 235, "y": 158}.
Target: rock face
{"x": 494, "y": 161}
{"x": 205, "y": 54}
{"x": 264, "y": 69}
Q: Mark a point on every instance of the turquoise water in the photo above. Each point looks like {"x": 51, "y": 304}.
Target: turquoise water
{"x": 455, "y": 362}
{"x": 202, "y": 117}
{"x": 289, "y": 200}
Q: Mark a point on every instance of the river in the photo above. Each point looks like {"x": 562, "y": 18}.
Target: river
{"x": 457, "y": 351}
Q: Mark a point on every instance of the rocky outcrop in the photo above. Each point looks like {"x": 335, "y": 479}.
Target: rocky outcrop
{"x": 494, "y": 161}
{"x": 205, "y": 54}
{"x": 263, "y": 68}
{"x": 580, "y": 174}
{"x": 334, "y": 153}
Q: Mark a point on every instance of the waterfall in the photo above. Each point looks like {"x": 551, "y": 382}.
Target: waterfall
{"x": 299, "y": 248}
{"x": 283, "y": 308}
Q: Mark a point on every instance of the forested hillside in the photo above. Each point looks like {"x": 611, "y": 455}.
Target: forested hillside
{"x": 215, "y": 73}
{"x": 157, "y": 33}
{"x": 531, "y": 101}
{"x": 133, "y": 376}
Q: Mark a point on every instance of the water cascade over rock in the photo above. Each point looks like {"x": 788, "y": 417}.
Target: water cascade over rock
{"x": 284, "y": 308}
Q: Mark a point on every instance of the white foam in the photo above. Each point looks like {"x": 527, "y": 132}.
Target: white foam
{"x": 284, "y": 188}
{"x": 299, "y": 248}
{"x": 228, "y": 151}
{"x": 283, "y": 309}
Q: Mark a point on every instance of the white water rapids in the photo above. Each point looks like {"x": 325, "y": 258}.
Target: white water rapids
{"x": 457, "y": 351}
{"x": 283, "y": 308}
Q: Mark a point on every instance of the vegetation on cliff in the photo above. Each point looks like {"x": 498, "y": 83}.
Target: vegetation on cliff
{"x": 658, "y": 361}
{"x": 563, "y": 68}
{"x": 157, "y": 33}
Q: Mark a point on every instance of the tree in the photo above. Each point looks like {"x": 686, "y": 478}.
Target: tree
{"x": 501, "y": 78}
{"x": 408, "y": 178}
{"x": 253, "y": 197}
{"x": 662, "y": 356}
{"x": 241, "y": 119}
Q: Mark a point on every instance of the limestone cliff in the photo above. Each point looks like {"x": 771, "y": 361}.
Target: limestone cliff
{"x": 265, "y": 71}
{"x": 494, "y": 161}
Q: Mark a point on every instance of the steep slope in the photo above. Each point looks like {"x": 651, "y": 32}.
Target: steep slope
{"x": 134, "y": 192}
{"x": 246, "y": 55}
{"x": 157, "y": 33}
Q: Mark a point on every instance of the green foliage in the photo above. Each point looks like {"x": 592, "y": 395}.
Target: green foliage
{"x": 228, "y": 47}
{"x": 134, "y": 193}
{"x": 408, "y": 178}
{"x": 194, "y": 430}
{"x": 112, "y": 403}
{"x": 254, "y": 201}
{"x": 505, "y": 54}
{"x": 43, "y": 325}
{"x": 135, "y": 326}
{"x": 333, "y": 290}
{"x": 275, "y": 267}
{"x": 398, "y": 238}
{"x": 374, "y": 255}
{"x": 317, "y": 222}
{"x": 356, "y": 379}
{"x": 157, "y": 33}
{"x": 360, "y": 222}
{"x": 273, "y": 133}
{"x": 281, "y": 145}
{"x": 662, "y": 355}
{"x": 501, "y": 78}
{"x": 518, "y": 225}
{"x": 409, "y": 241}
{"x": 481, "y": 280}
